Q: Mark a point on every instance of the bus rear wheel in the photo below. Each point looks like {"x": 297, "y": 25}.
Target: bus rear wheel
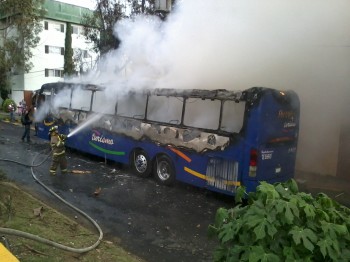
{"x": 140, "y": 163}
{"x": 164, "y": 170}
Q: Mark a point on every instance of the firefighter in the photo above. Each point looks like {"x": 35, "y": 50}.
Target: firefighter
{"x": 57, "y": 141}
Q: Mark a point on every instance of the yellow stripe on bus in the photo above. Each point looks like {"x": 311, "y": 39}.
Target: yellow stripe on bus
{"x": 6, "y": 255}
{"x": 48, "y": 123}
{"x": 204, "y": 177}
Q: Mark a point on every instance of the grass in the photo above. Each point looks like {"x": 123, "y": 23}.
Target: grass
{"x": 17, "y": 212}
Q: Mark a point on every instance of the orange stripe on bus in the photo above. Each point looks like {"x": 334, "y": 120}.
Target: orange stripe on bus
{"x": 180, "y": 154}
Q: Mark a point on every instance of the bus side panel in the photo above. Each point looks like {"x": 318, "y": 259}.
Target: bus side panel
{"x": 43, "y": 130}
{"x": 218, "y": 171}
{"x": 190, "y": 167}
{"x": 102, "y": 143}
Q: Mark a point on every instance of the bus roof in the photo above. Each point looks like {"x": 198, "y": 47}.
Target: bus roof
{"x": 221, "y": 94}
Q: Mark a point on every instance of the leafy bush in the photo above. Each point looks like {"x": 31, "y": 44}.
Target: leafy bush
{"x": 278, "y": 223}
{"x": 7, "y": 102}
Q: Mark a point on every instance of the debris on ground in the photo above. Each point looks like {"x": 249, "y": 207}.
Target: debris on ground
{"x": 97, "y": 191}
{"x": 80, "y": 172}
{"x": 38, "y": 212}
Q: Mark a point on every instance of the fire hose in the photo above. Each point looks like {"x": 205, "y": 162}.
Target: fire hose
{"x": 9, "y": 231}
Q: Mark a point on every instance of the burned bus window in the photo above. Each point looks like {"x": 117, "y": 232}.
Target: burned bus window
{"x": 232, "y": 116}
{"x": 62, "y": 99}
{"x": 104, "y": 103}
{"x": 165, "y": 109}
{"x": 132, "y": 105}
{"x": 81, "y": 99}
{"x": 202, "y": 113}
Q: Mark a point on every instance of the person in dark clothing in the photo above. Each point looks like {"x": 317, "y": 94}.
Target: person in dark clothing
{"x": 26, "y": 122}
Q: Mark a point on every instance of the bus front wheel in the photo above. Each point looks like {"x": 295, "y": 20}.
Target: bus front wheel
{"x": 164, "y": 170}
{"x": 141, "y": 164}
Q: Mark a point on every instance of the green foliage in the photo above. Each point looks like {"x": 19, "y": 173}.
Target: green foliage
{"x": 69, "y": 67}
{"x": 106, "y": 15}
{"x": 4, "y": 85}
{"x": 6, "y": 103}
{"x": 20, "y": 30}
{"x": 9, "y": 208}
{"x": 279, "y": 223}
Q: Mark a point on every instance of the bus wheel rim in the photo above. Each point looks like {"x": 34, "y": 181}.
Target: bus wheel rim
{"x": 163, "y": 170}
{"x": 141, "y": 163}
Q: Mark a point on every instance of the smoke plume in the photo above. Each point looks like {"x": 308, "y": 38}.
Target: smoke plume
{"x": 235, "y": 44}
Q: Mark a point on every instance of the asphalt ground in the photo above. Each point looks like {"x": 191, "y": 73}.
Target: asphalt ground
{"x": 155, "y": 223}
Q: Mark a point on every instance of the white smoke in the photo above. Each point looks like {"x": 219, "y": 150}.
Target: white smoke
{"x": 230, "y": 44}
{"x": 237, "y": 44}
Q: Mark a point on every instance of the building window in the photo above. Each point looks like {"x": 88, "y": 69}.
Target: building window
{"x": 54, "y": 50}
{"x": 53, "y": 72}
{"x": 54, "y": 26}
{"x": 75, "y": 29}
{"x": 57, "y": 27}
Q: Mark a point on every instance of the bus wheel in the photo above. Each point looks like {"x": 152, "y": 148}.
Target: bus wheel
{"x": 141, "y": 164}
{"x": 164, "y": 170}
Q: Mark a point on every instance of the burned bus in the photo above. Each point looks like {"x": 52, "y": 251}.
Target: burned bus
{"x": 213, "y": 139}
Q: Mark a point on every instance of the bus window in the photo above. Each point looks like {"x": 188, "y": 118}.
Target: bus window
{"x": 132, "y": 105}
{"x": 232, "y": 116}
{"x": 62, "y": 98}
{"x": 103, "y": 103}
{"x": 81, "y": 99}
{"x": 165, "y": 109}
{"x": 202, "y": 113}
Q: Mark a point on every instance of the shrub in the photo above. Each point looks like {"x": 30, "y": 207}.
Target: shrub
{"x": 278, "y": 223}
{"x": 7, "y": 102}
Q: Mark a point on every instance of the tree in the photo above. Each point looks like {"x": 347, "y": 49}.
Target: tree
{"x": 3, "y": 76}
{"x": 141, "y": 7}
{"x": 20, "y": 27}
{"x": 98, "y": 27}
{"x": 69, "y": 67}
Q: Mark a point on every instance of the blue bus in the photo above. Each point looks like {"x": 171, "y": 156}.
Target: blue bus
{"x": 213, "y": 139}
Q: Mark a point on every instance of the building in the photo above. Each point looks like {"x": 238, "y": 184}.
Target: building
{"x": 48, "y": 56}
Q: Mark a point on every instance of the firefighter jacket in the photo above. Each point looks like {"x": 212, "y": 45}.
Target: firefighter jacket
{"x": 57, "y": 144}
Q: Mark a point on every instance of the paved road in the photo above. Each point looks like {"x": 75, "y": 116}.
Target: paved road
{"x": 154, "y": 222}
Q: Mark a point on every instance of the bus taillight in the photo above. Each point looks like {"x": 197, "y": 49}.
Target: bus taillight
{"x": 253, "y": 162}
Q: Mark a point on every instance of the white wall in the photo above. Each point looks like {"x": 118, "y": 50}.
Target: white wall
{"x": 51, "y": 37}
{"x": 41, "y": 60}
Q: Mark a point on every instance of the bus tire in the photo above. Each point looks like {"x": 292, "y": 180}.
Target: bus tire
{"x": 164, "y": 171}
{"x": 140, "y": 163}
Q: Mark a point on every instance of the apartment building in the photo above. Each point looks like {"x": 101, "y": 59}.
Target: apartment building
{"x": 48, "y": 56}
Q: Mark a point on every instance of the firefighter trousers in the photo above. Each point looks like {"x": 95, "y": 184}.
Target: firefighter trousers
{"x": 58, "y": 161}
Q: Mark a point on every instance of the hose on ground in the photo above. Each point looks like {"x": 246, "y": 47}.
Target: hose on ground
{"x": 9, "y": 231}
